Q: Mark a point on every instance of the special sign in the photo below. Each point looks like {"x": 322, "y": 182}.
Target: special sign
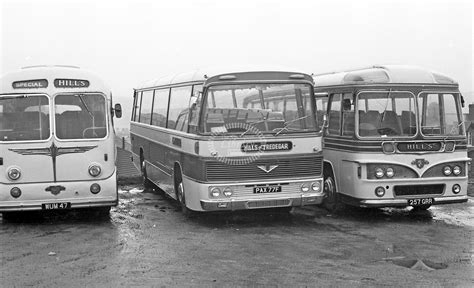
{"x": 30, "y": 84}
{"x": 419, "y": 146}
{"x": 266, "y": 147}
{"x": 71, "y": 83}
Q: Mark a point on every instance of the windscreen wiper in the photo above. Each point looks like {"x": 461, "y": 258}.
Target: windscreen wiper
{"x": 288, "y": 124}
{"x": 13, "y": 97}
{"x": 251, "y": 126}
{"x": 85, "y": 106}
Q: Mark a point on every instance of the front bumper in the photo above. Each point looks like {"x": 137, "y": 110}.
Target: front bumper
{"x": 274, "y": 202}
{"x": 77, "y": 193}
{"x": 374, "y": 203}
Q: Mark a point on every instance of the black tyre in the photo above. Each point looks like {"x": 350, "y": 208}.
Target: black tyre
{"x": 422, "y": 207}
{"x": 146, "y": 182}
{"x": 181, "y": 195}
{"x": 331, "y": 202}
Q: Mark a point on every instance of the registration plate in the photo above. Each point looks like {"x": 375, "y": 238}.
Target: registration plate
{"x": 56, "y": 206}
{"x": 420, "y": 201}
{"x": 267, "y": 189}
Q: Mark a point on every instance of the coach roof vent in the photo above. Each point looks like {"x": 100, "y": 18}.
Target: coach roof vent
{"x": 50, "y": 66}
{"x": 367, "y": 76}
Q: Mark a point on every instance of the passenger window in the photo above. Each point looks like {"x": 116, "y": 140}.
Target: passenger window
{"x": 348, "y": 120}
{"x": 179, "y": 103}
{"x": 160, "y": 107}
{"x": 138, "y": 100}
{"x": 147, "y": 101}
{"x": 334, "y": 115}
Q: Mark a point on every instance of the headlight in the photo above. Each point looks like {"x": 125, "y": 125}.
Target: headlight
{"x": 316, "y": 186}
{"x": 389, "y": 172}
{"x": 456, "y": 170}
{"x": 447, "y": 170}
{"x": 94, "y": 170}
{"x": 305, "y": 187}
{"x": 227, "y": 192}
{"x": 14, "y": 173}
{"x": 379, "y": 172}
{"x": 215, "y": 192}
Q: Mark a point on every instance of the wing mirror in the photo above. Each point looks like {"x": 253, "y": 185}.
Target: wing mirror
{"x": 118, "y": 110}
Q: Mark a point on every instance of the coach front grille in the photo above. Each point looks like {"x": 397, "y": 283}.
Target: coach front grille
{"x": 414, "y": 190}
{"x": 309, "y": 166}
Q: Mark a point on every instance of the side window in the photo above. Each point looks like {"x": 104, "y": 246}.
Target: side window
{"x": 160, "y": 107}
{"x": 138, "y": 100}
{"x": 321, "y": 107}
{"x": 348, "y": 117}
{"x": 179, "y": 102}
{"x": 334, "y": 114}
{"x": 147, "y": 101}
{"x": 195, "y": 111}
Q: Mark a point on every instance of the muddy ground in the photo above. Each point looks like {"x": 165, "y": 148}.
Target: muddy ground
{"x": 147, "y": 242}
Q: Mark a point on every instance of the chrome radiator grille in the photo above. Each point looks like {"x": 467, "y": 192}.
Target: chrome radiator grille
{"x": 310, "y": 166}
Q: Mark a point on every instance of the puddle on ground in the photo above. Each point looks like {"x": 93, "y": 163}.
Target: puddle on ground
{"x": 418, "y": 264}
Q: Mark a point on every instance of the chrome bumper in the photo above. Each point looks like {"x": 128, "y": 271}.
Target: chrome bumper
{"x": 75, "y": 203}
{"x": 274, "y": 202}
{"x": 404, "y": 202}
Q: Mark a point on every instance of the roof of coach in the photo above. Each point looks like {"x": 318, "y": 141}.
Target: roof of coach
{"x": 386, "y": 74}
{"x": 228, "y": 74}
{"x": 47, "y": 79}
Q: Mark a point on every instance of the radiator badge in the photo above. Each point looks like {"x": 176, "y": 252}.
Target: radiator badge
{"x": 267, "y": 168}
{"x": 420, "y": 163}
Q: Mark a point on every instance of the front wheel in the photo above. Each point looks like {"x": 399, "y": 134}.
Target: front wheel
{"x": 331, "y": 202}
{"x": 181, "y": 196}
{"x": 146, "y": 182}
{"x": 421, "y": 207}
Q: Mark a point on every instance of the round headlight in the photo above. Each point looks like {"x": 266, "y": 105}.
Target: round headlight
{"x": 215, "y": 192}
{"x": 14, "y": 173}
{"x": 456, "y": 170}
{"x": 390, "y": 172}
{"x": 379, "y": 172}
{"x": 227, "y": 192}
{"x": 15, "y": 192}
{"x": 305, "y": 187}
{"x": 316, "y": 186}
{"x": 94, "y": 170}
{"x": 456, "y": 188}
{"x": 379, "y": 191}
{"x": 447, "y": 170}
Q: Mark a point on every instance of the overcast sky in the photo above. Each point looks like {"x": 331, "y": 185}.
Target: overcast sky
{"x": 129, "y": 41}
